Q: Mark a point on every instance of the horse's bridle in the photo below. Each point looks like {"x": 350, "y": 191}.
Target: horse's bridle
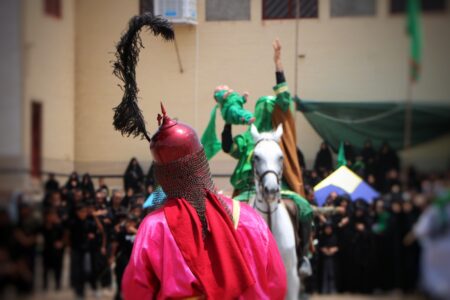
{"x": 260, "y": 177}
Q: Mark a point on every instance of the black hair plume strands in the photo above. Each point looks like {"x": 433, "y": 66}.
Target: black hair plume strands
{"x": 128, "y": 117}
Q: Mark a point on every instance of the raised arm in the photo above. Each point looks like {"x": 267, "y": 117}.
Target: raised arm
{"x": 277, "y": 56}
{"x": 227, "y": 138}
{"x": 279, "y": 72}
{"x": 281, "y": 90}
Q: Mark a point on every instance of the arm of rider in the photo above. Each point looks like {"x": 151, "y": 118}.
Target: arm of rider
{"x": 277, "y": 56}
{"x": 279, "y": 72}
{"x": 328, "y": 210}
{"x": 227, "y": 138}
{"x": 283, "y": 97}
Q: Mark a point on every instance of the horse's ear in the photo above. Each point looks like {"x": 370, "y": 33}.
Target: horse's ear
{"x": 278, "y": 133}
{"x": 254, "y": 132}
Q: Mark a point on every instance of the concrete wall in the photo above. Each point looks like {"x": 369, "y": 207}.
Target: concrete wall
{"x": 10, "y": 78}
{"x": 49, "y": 77}
{"x": 343, "y": 59}
{"x": 11, "y": 155}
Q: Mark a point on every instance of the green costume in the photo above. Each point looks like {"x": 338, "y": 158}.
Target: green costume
{"x": 232, "y": 108}
{"x": 232, "y": 111}
{"x": 243, "y": 145}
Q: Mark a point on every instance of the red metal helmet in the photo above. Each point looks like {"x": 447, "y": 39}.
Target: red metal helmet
{"x": 173, "y": 140}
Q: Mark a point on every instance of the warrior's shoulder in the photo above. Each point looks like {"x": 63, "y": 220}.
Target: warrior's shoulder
{"x": 250, "y": 222}
{"x": 154, "y": 222}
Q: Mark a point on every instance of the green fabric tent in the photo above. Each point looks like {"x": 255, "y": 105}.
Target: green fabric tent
{"x": 378, "y": 121}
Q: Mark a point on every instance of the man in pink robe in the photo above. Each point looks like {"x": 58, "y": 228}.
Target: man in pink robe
{"x": 158, "y": 270}
{"x": 198, "y": 245}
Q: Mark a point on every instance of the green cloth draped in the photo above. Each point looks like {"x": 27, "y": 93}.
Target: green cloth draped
{"x": 378, "y": 121}
{"x": 210, "y": 142}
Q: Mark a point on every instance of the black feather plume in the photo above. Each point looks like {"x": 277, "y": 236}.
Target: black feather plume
{"x": 128, "y": 117}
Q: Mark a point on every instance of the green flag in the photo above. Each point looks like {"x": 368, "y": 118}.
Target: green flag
{"x": 209, "y": 140}
{"x": 415, "y": 32}
{"x": 341, "y": 161}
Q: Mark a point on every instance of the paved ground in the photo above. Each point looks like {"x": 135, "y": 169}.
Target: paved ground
{"x": 107, "y": 294}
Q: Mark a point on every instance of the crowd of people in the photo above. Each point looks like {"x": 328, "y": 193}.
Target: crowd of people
{"x": 370, "y": 247}
{"x": 94, "y": 225}
{"x": 367, "y": 248}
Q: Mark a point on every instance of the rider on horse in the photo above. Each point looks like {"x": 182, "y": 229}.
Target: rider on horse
{"x": 270, "y": 111}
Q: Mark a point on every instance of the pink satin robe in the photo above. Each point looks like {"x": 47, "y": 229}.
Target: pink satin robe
{"x": 157, "y": 269}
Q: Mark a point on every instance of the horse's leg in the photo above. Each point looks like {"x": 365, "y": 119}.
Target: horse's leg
{"x": 293, "y": 281}
{"x": 283, "y": 231}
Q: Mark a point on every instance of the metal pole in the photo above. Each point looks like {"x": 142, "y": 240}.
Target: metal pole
{"x": 297, "y": 21}
{"x": 180, "y": 65}
{"x": 408, "y": 116}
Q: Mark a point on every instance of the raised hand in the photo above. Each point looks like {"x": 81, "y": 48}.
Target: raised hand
{"x": 276, "y": 50}
{"x": 277, "y": 55}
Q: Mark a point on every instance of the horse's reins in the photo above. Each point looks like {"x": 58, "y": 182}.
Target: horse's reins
{"x": 260, "y": 177}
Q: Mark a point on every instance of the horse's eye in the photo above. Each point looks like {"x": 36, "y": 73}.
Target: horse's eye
{"x": 280, "y": 158}
{"x": 256, "y": 158}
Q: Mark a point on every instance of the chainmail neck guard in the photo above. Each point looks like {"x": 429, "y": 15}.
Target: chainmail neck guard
{"x": 190, "y": 178}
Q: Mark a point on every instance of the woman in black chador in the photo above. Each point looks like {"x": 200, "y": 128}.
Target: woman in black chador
{"x": 87, "y": 186}
{"x": 361, "y": 249}
{"x": 324, "y": 161}
{"x": 328, "y": 247}
{"x": 73, "y": 182}
{"x": 134, "y": 176}
{"x": 369, "y": 158}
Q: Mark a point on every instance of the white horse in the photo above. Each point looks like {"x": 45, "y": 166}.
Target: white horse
{"x": 268, "y": 170}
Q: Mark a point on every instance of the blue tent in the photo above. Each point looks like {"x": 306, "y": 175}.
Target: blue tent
{"x": 344, "y": 181}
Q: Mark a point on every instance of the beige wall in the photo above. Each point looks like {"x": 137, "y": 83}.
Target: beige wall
{"x": 345, "y": 59}
{"x": 49, "y": 77}
{"x": 46, "y": 66}
{"x": 11, "y": 94}
{"x": 66, "y": 65}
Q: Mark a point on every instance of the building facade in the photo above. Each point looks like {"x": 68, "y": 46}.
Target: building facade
{"x": 59, "y": 91}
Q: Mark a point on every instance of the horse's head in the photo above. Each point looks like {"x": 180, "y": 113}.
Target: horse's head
{"x": 268, "y": 162}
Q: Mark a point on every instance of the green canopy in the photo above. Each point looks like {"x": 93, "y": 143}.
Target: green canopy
{"x": 378, "y": 121}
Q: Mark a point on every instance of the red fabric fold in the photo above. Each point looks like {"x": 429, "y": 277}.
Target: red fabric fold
{"x": 218, "y": 261}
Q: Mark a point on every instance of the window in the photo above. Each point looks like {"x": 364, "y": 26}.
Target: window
{"x": 348, "y": 8}
{"x": 287, "y": 9}
{"x": 53, "y": 8}
{"x": 145, "y": 6}
{"x": 399, "y": 6}
{"x": 229, "y": 10}
{"x": 309, "y": 8}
